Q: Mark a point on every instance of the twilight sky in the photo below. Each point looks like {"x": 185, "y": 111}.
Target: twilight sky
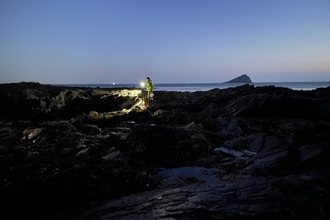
{"x": 172, "y": 41}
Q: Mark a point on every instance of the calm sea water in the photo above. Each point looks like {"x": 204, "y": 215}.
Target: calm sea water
{"x": 192, "y": 87}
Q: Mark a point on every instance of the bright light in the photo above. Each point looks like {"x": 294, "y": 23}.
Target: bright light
{"x": 142, "y": 84}
{"x": 113, "y": 83}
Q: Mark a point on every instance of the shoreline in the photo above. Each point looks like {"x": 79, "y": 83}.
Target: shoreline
{"x": 192, "y": 87}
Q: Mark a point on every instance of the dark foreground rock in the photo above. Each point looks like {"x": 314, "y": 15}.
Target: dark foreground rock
{"x": 91, "y": 153}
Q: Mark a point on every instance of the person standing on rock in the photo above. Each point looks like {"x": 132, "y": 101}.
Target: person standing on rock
{"x": 150, "y": 89}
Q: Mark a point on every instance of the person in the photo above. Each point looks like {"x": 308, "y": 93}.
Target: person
{"x": 149, "y": 88}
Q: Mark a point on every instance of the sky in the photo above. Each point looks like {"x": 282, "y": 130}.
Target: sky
{"x": 171, "y": 41}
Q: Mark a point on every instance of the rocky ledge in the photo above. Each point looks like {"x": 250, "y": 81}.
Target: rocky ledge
{"x": 93, "y": 153}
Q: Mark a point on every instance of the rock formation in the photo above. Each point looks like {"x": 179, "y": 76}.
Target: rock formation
{"x": 238, "y": 153}
{"x": 241, "y": 79}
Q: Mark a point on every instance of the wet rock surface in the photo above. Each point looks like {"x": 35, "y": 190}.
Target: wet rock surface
{"x": 92, "y": 153}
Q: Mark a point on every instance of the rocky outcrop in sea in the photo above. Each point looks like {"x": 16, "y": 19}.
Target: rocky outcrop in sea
{"x": 244, "y": 79}
{"x": 96, "y": 153}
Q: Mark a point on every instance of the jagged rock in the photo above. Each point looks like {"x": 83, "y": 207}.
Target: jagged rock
{"x": 238, "y": 153}
{"x": 33, "y": 101}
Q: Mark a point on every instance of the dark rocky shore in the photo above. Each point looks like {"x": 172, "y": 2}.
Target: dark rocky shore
{"x": 93, "y": 153}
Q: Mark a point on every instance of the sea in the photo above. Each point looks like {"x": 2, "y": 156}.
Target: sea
{"x": 193, "y": 87}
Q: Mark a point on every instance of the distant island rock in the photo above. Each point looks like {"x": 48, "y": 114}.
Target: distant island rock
{"x": 241, "y": 79}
